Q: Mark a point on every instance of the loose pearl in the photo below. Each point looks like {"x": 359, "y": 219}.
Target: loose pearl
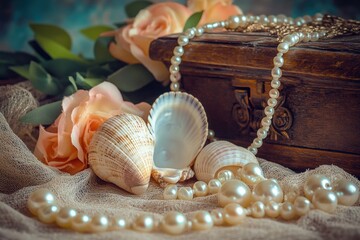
{"x": 170, "y": 192}
{"x": 175, "y": 86}
{"x": 258, "y": 209}
{"x": 119, "y": 223}
{"x": 274, "y": 93}
{"x": 302, "y": 205}
{"x": 185, "y": 193}
{"x": 80, "y": 223}
{"x": 174, "y": 223}
{"x": 99, "y": 223}
{"x": 278, "y": 61}
{"x": 325, "y": 200}
{"x": 268, "y": 190}
{"x": 251, "y": 174}
{"x": 202, "y": 221}
{"x": 283, "y": 47}
{"x": 217, "y": 216}
{"x": 272, "y": 209}
{"x": 64, "y": 216}
{"x": 347, "y": 192}
{"x": 211, "y": 134}
{"x": 39, "y": 198}
{"x": 314, "y": 182}
{"x": 234, "y": 214}
{"x": 272, "y": 102}
{"x": 276, "y": 72}
{"x": 275, "y": 83}
{"x": 47, "y": 213}
{"x": 144, "y": 223}
{"x": 225, "y": 175}
{"x": 200, "y": 189}
{"x": 234, "y": 191}
{"x": 287, "y": 211}
{"x": 214, "y": 186}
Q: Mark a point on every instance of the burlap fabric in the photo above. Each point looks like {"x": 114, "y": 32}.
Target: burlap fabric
{"x": 21, "y": 173}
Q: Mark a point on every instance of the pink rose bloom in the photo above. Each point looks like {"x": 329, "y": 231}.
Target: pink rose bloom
{"x": 64, "y": 144}
{"x": 133, "y": 41}
{"x": 214, "y": 10}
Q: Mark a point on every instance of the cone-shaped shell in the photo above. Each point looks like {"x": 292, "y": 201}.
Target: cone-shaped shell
{"x": 179, "y": 126}
{"x": 121, "y": 152}
{"x": 220, "y": 155}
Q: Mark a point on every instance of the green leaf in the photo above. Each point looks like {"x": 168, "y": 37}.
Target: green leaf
{"x": 193, "y": 20}
{"x": 69, "y": 90}
{"x": 21, "y": 70}
{"x": 16, "y": 58}
{"x": 121, "y": 24}
{"x": 38, "y": 50}
{"x": 87, "y": 83}
{"x": 98, "y": 72}
{"x": 133, "y": 8}
{"x": 44, "y": 115}
{"x": 72, "y": 81}
{"x": 101, "y": 49}
{"x": 146, "y": 94}
{"x": 41, "y": 80}
{"x": 64, "y": 67}
{"x": 94, "y": 32}
{"x": 54, "y": 33}
{"x": 54, "y": 49}
{"x": 131, "y": 77}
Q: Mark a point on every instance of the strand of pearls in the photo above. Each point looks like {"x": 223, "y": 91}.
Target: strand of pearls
{"x": 235, "y": 197}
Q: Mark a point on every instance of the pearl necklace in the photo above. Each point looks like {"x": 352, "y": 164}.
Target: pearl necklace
{"x": 235, "y": 198}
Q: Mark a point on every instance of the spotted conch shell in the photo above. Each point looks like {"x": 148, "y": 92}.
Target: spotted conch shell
{"x": 220, "y": 155}
{"x": 179, "y": 126}
{"x": 121, "y": 152}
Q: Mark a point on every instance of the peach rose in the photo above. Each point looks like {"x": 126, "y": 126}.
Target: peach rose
{"x": 214, "y": 10}
{"x": 133, "y": 41}
{"x": 64, "y": 144}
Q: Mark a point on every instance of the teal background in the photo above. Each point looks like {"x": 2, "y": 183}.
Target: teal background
{"x": 74, "y": 15}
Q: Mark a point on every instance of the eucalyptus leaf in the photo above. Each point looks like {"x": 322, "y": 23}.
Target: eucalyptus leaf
{"x": 41, "y": 80}
{"x": 21, "y": 70}
{"x": 54, "y": 49}
{"x": 133, "y": 8}
{"x": 131, "y": 77}
{"x": 94, "y": 32}
{"x": 44, "y": 115}
{"x": 193, "y": 20}
{"x": 87, "y": 83}
{"x": 101, "y": 49}
{"x": 54, "y": 33}
{"x": 64, "y": 67}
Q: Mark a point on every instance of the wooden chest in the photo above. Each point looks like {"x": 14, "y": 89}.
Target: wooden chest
{"x": 317, "y": 120}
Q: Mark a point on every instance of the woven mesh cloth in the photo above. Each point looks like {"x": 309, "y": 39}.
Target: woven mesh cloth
{"x": 21, "y": 173}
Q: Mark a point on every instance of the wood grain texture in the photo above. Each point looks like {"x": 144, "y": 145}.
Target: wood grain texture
{"x": 320, "y": 83}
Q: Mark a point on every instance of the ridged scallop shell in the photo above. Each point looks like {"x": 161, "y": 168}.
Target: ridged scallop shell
{"x": 219, "y": 155}
{"x": 121, "y": 152}
{"x": 178, "y": 123}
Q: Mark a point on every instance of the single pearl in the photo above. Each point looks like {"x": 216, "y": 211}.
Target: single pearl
{"x": 175, "y": 60}
{"x": 211, "y": 134}
{"x": 119, "y": 223}
{"x": 234, "y": 21}
{"x": 175, "y": 77}
{"x": 99, "y": 223}
{"x": 183, "y": 40}
{"x": 257, "y": 142}
{"x": 144, "y": 223}
{"x": 281, "y": 18}
{"x": 314, "y": 36}
{"x": 274, "y": 93}
{"x": 190, "y": 32}
{"x": 290, "y": 197}
{"x": 243, "y": 21}
{"x": 185, "y": 193}
{"x": 276, "y": 72}
{"x": 64, "y": 216}
{"x": 325, "y": 200}
{"x": 272, "y": 19}
{"x": 81, "y": 223}
{"x": 272, "y": 102}
{"x": 234, "y": 191}
{"x": 234, "y": 214}
{"x": 202, "y": 221}
{"x": 170, "y": 192}
{"x": 199, "y": 31}
{"x": 218, "y": 216}
{"x": 200, "y": 189}
{"x": 263, "y": 20}
{"x": 261, "y": 133}
{"x": 278, "y": 61}
{"x": 173, "y": 69}
{"x": 253, "y": 150}
{"x": 272, "y": 209}
{"x": 314, "y": 182}
{"x": 47, "y": 213}
{"x": 174, "y": 223}
{"x": 318, "y": 17}
{"x": 268, "y": 190}
{"x": 287, "y": 211}
{"x": 347, "y": 192}
{"x": 175, "y": 86}
{"x": 258, "y": 209}
{"x": 225, "y": 175}
{"x": 283, "y": 47}
{"x": 39, "y": 198}
{"x": 275, "y": 83}
{"x": 266, "y": 121}
{"x": 269, "y": 111}
{"x": 178, "y": 51}
{"x": 214, "y": 186}
{"x": 302, "y": 205}
{"x": 251, "y": 174}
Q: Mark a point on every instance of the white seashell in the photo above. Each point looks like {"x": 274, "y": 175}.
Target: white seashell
{"x": 220, "y": 155}
{"x": 121, "y": 152}
{"x": 179, "y": 126}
